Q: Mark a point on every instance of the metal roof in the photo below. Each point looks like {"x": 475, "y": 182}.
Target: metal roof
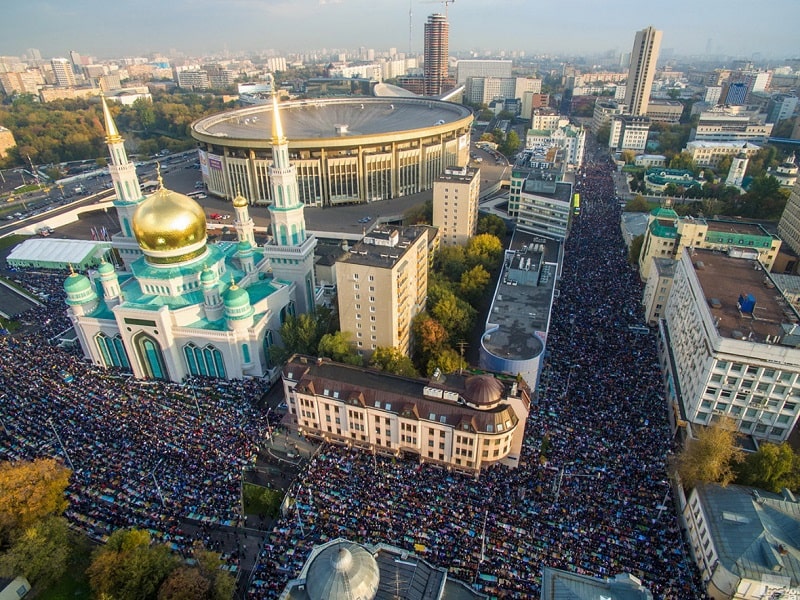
{"x": 563, "y": 585}
{"x": 57, "y": 251}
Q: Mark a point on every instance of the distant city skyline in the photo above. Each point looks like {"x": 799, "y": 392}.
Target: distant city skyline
{"x": 737, "y": 28}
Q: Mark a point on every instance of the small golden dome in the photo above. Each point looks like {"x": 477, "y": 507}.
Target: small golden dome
{"x": 169, "y": 227}
{"x": 239, "y": 201}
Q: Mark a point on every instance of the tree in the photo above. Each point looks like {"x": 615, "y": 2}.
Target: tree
{"x": 128, "y": 567}
{"x": 637, "y": 204}
{"x": 429, "y": 335}
{"x": 629, "y": 156}
{"x": 484, "y": 249}
{"x": 30, "y": 491}
{"x": 684, "y": 161}
{"x": 205, "y": 580}
{"x": 710, "y": 457}
{"x": 419, "y": 214}
{"x": 492, "y": 224}
{"x": 636, "y": 249}
{"x": 772, "y": 468}
{"x": 473, "y": 283}
{"x": 40, "y": 552}
{"x": 301, "y": 334}
{"x": 511, "y": 144}
{"x": 451, "y": 261}
{"x": 338, "y": 347}
{"x": 446, "y": 360}
{"x": 392, "y": 360}
{"x": 454, "y": 314}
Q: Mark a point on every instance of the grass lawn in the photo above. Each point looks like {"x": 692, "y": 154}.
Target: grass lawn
{"x": 12, "y": 240}
{"x": 260, "y": 500}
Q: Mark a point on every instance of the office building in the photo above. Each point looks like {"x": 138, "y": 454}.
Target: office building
{"x": 604, "y": 112}
{"x": 195, "y": 79}
{"x": 538, "y": 201}
{"x": 186, "y": 307}
{"x": 435, "y": 69}
{"x": 515, "y": 332}
{"x": 664, "y": 111}
{"x": 710, "y": 154}
{"x": 742, "y": 540}
{"x": 547, "y": 119}
{"x": 729, "y": 345}
{"x": 780, "y": 107}
{"x": 570, "y": 138}
{"x": 482, "y": 68}
{"x": 789, "y": 225}
{"x": 63, "y": 73}
{"x": 462, "y": 421}
{"x": 343, "y": 570}
{"x": 455, "y": 204}
{"x": 382, "y": 284}
{"x": 642, "y": 70}
{"x": 629, "y": 133}
{"x": 667, "y": 235}
{"x": 731, "y": 124}
{"x": 657, "y": 288}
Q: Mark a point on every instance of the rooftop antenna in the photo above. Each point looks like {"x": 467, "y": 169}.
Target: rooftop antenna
{"x": 410, "y": 28}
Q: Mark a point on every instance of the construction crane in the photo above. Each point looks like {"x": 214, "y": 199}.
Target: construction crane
{"x": 445, "y": 2}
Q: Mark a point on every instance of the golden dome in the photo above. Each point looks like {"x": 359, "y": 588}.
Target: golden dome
{"x": 239, "y": 201}
{"x": 170, "y": 227}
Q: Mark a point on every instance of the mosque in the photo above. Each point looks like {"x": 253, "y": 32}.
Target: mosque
{"x": 183, "y": 306}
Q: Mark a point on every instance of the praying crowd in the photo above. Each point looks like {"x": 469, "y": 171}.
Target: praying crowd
{"x": 591, "y": 494}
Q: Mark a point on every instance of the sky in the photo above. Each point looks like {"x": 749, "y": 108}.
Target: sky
{"x": 115, "y": 28}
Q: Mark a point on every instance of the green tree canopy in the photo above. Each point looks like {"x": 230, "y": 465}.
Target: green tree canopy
{"x": 419, "y": 214}
{"x": 40, "y": 552}
{"x": 302, "y": 334}
{"x": 455, "y": 315}
{"x": 710, "y": 457}
{"x": 772, "y": 468}
{"x": 429, "y": 335}
{"x": 446, "y": 360}
{"x": 511, "y": 143}
{"x": 637, "y": 204}
{"x": 205, "y": 580}
{"x": 30, "y": 491}
{"x": 451, "y": 261}
{"x": 392, "y": 360}
{"x": 473, "y": 283}
{"x": 493, "y": 225}
{"x": 628, "y": 156}
{"x": 339, "y": 347}
{"x": 484, "y": 249}
{"x": 128, "y": 567}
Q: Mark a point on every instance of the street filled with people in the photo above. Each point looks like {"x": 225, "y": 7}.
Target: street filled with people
{"x": 591, "y": 496}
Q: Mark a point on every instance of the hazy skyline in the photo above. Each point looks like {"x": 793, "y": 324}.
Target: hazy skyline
{"x": 740, "y": 28}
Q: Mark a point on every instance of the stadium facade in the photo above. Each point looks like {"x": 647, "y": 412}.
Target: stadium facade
{"x": 345, "y": 150}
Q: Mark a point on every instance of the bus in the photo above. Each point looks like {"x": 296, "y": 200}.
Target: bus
{"x": 576, "y": 204}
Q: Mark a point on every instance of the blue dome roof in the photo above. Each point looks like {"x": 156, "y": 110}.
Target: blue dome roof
{"x": 77, "y": 283}
{"x": 207, "y": 276}
{"x": 105, "y": 268}
{"x": 236, "y": 297}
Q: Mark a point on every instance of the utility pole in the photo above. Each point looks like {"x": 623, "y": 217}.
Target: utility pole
{"x": 461, "y": 346}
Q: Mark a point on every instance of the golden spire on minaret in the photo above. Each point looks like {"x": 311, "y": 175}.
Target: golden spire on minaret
{"x": 112, "y": 134}
{"x": 277, "y": 128}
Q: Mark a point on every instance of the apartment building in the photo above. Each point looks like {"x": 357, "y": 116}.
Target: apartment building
{"x": 455, "y": 204}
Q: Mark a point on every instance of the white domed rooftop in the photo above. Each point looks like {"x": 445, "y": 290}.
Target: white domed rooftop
{"x": 342, "y": 570}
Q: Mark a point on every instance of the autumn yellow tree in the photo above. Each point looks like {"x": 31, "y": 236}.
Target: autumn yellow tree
{"x": 29, "y": 492}
{"x": 711, "y": 456}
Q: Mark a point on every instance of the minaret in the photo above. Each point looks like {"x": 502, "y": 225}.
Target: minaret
{"x": 737, "y": 171}
{"x": 110, "y": 283}
{"x": 212, "y": 301}
{"x": 127, "y": 188}
{"x": 243, "y": 223}
{"x": 290, "y": 253}
{"x": 286, "y": 210}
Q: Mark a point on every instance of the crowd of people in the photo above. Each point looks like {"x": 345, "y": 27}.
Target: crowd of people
{"x": 146, "y": 454}
{"x": 592, "y": 493}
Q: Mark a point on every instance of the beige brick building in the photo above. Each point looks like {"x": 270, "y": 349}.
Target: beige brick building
{"x": 455, "y": 204}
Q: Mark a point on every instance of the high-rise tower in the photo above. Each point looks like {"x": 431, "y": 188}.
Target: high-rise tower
{"x": 127, "y": 188}
{"x": 62, "y": 70}
{"x": 437, "y": 32}
{"x": 291, "y": 249}
{"x": 642, "y": 70}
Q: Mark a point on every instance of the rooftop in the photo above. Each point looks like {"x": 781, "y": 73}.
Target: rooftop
{"x": 724, "y": 279}
{"x": 755, "y": 533}
{"x": 521, "y": 306}
{"x": 384, "y": 246}
{"x": 442, "y": 399}
{"x": 737, "y": 227}
{"x": 564, "y": 585}
{"x": 459, "y": 174}
{"x": 334, "y": 118}
{"x": 58, "y": 251}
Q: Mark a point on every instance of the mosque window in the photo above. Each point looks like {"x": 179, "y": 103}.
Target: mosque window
{"x": 268, "y": 341}
{"x": 246, "y": 353}
{"x": 206, "y": 361}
